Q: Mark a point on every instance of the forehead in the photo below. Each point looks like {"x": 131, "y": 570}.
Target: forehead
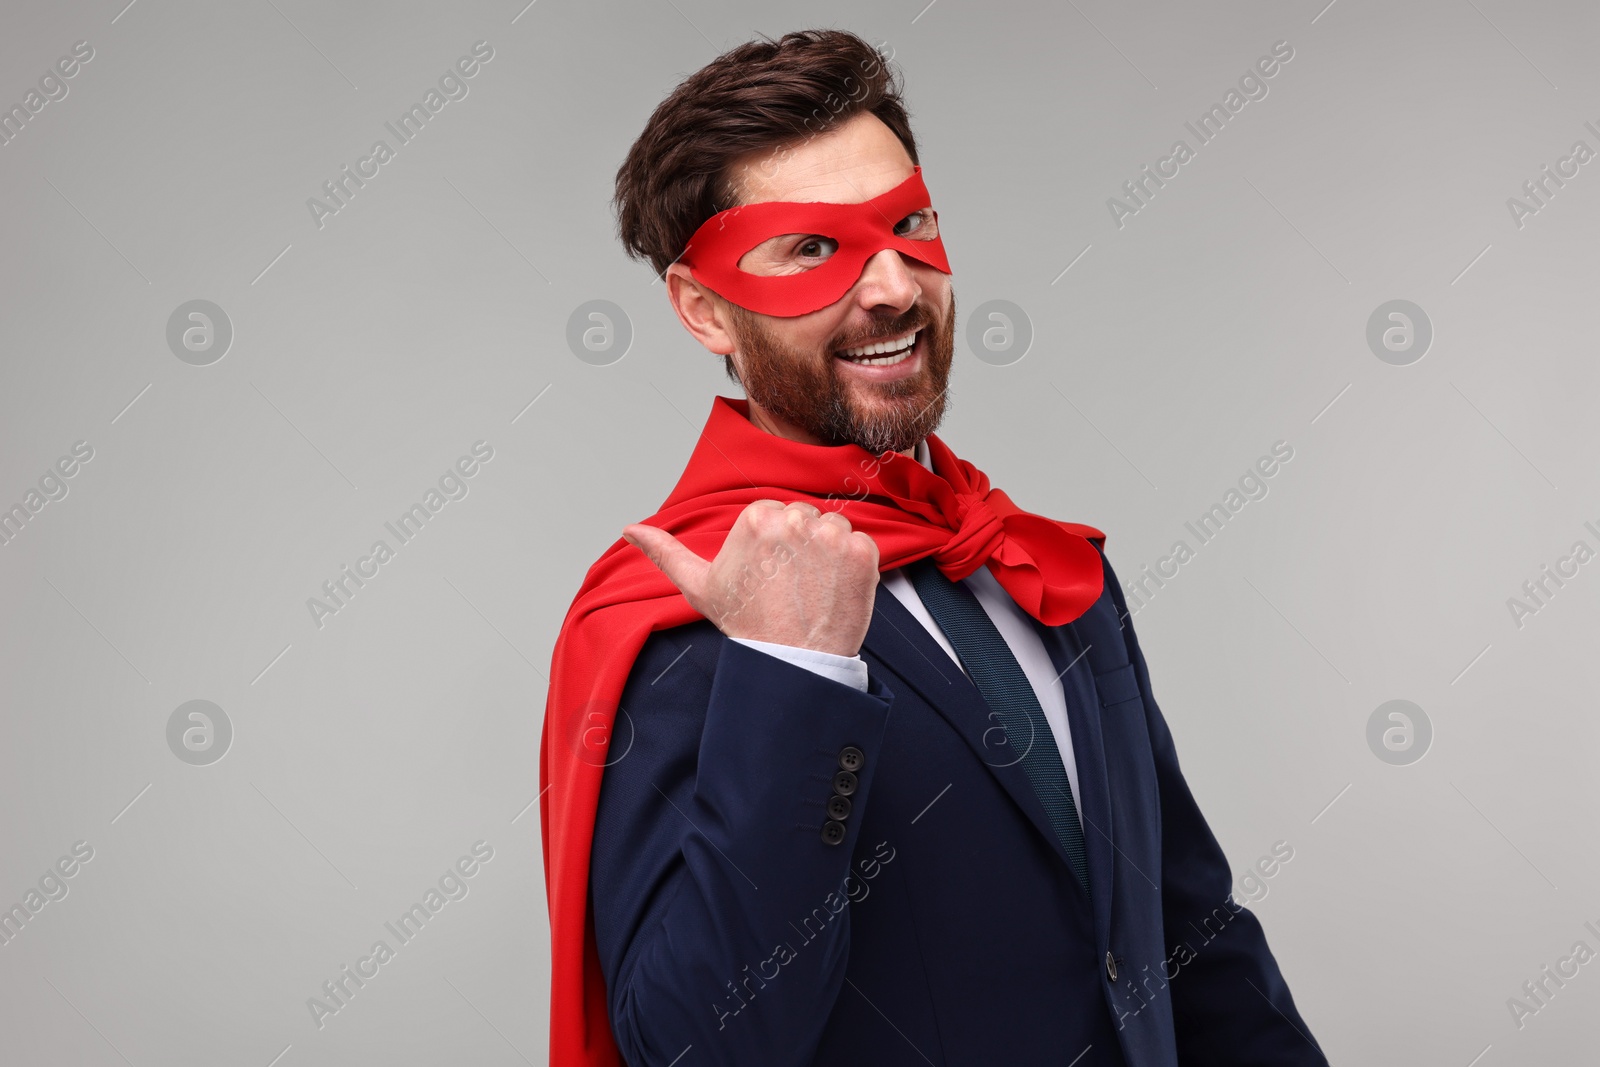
{"x": 857, "y": 161}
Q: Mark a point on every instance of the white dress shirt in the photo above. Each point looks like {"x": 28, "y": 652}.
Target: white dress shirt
{"x": 1012, "y": 622}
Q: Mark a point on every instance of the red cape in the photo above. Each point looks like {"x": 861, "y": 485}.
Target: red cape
{"x": 951, "y": 513}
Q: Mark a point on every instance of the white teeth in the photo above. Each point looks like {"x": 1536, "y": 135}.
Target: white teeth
{"x": 885, "y": 361}
{"x": 901, "y": 345}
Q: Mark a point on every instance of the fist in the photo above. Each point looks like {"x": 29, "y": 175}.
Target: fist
{"x": 788, "y": 574}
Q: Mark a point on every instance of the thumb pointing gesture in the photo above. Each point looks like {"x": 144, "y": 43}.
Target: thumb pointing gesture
{"x": 677, "y": 561}
{"x": 787, "y": 574}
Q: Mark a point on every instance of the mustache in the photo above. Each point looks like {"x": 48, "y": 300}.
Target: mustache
{"x": 914, "y": 321}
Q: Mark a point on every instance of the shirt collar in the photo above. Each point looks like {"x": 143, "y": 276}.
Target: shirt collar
{"x": 922, "y": 454}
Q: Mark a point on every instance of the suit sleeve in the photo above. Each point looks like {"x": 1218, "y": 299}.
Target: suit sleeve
{"x": 1230, "y": 1004}
{"x": 709, "y": 846}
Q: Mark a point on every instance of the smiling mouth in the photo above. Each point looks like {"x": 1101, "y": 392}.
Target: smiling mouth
{"x": 882, "y": 353}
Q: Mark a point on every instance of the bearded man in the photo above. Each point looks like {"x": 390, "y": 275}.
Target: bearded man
{"x": 848, "y": 758}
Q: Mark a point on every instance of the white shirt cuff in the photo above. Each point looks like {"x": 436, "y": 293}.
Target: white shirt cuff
{"x": 847, "y": 670}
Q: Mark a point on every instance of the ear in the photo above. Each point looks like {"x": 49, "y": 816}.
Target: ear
{"x": 703, "y": 313}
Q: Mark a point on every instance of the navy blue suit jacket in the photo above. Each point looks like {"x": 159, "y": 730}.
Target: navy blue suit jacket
{"x": 946, "y": 928}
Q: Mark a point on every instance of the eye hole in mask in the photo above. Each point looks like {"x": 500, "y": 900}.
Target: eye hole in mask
{"x": 789, "y": 258}
{"x": 792, "y": 253}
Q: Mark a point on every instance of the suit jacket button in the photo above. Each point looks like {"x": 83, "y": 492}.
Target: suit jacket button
{"x": 832, "y": 832}
{"x": 1111, "y": 967}
{"x": 839, "y": 808}
{"x": 844, "y": 783}
{"x": 851, "y": 758}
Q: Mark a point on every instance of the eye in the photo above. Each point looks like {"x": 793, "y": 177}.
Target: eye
{"x": 920, "y": 225}
{"x": 816, "y": 247}
{"x": 788, "y": 253}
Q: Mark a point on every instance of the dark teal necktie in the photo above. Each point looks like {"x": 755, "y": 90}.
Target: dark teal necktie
{"x": 1005, "y": 688}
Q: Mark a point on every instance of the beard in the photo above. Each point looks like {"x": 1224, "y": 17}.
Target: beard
{"x": 810, "y": 390}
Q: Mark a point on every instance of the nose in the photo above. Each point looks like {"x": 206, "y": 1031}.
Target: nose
{"x": 886, "y": 281}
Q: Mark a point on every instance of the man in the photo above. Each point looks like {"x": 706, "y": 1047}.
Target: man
{"x": 789, "y": 819}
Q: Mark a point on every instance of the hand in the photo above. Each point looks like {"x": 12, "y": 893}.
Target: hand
{"x": 788, "y": 574}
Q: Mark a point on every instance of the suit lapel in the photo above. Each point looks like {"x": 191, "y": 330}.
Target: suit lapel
{"x": 1072, "y": 661}
{"x": 899, "y": 643}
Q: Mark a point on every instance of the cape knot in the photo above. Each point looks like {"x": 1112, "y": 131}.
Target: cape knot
{"x": 978, "y": 532}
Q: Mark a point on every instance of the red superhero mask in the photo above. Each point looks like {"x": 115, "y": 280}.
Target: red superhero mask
{"x": 861, "y": 231}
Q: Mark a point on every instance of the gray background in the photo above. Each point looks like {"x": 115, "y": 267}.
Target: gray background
{"x": 369, "y": 354}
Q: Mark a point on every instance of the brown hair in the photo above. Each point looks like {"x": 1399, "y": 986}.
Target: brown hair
{"x": 764, "y": 94}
